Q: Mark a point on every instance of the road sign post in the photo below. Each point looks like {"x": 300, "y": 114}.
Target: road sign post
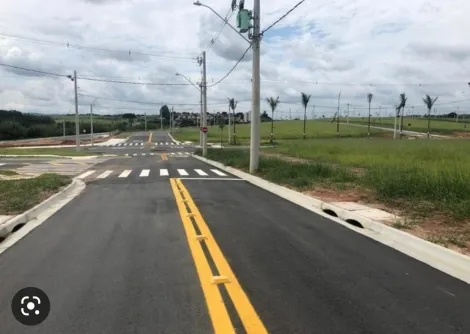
{"x": 204, "y": 129}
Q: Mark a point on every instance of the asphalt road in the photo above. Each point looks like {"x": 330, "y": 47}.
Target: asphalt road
{"x": 147, "y": 253}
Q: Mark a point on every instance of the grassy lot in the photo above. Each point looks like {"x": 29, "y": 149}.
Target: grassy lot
{"x": 45, "y": 151}
{"x": 428, "y": 181}
{"x": 282, "y": 130}
{"x": 8, "y": 172}
{"x": 17, "y": 196}
{"x": 439, "y": 126}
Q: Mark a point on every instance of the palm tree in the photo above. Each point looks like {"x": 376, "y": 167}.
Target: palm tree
{"x": 401, "y": 106}
{"x": 305, "y": 99}
{"x": 369, "y": 98}
{"x": 429, "y": 102}
{"x": 232, "y": 106}
{"x": 273, "y": 103}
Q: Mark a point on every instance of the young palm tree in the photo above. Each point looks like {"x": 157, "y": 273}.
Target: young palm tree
{"x": 429, "y": 102}
{"x": 369, "y": 99}
{"x": 305, "y": 99}
{"x": 273, "y": 103}
{"x": 401, "y": 106}
{"x": 232, "y": 106}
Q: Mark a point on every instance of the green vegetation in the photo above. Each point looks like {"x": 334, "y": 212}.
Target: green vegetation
{"x": 45, "y": 151}
{"x": 8, "y": 172}
{"x": 420, "y": 176}
{"x": 437, "y": 125}
{"x": 282, "y": 130}
{"x": 17, "y": 196}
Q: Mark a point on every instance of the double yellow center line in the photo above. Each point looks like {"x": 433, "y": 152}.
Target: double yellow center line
{"x": 210, "y": 283}
{"x": 164, "y": 157}
{"x": 150, "y": 137}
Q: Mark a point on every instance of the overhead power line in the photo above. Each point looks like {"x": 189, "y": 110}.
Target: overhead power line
{"x": 35, "y": 71}
{"x": 282, "y": 17}
{"x": 233, "y": 68}
{"x": 227, "y": 18}
{"x": 91, "y": 48}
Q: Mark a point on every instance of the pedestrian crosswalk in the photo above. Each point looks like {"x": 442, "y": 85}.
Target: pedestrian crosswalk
{"x": 145, "y": 173}
{"x": 169, "y": 154}
{"x": 128, "y": 144}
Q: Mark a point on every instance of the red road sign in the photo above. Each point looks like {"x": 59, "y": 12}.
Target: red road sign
{"x": 204, "y": 129}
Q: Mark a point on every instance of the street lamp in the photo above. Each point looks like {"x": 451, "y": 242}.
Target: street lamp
{"x": 91, "y": 119}
{"x": 77, "y": 126}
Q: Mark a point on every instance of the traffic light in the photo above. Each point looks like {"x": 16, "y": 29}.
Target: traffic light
{"x": 244, "y": 17}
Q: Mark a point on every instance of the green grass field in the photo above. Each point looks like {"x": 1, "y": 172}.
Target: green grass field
{"x": 423, "y": 176}
{"x": 282, "y": 130}
{"x": 439, "y": 126}
{"x": 17, "y": 196}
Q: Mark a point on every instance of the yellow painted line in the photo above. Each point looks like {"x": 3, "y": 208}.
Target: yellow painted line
{"x": 82, "y": 163}
{"x": 217, "y": 310}
{"x": 150, "y": 137}
{"x": 164, "y": 157}
{"x": 243, "y": 306}
{"x": 54, "y": 163}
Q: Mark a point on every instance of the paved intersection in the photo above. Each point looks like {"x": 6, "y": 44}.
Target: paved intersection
{"x": 154, "y": 245}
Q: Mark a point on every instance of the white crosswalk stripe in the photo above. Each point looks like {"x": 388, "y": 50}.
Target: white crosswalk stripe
{"x": 218, "y": 172}
{"x": 84, "y": 175}
{"x": 182, "y": 172}
{"x": 200, "y": 172}
{"x": 125, "y": 173}
{"x": 142, "y": 173}
{"x": 104, "y": 174}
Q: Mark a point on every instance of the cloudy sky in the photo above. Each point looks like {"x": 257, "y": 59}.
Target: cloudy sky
{"x": 323, "y": 47}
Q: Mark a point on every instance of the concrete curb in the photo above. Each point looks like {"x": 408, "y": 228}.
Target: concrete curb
{"x": 172, "y": 138}
{"x": 441, "y": 258}
{"x": 25, "y": 217}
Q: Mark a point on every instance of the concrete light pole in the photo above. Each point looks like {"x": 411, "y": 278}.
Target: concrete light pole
{"x": 77, "y": 125}
{"x": 91, "y": 120}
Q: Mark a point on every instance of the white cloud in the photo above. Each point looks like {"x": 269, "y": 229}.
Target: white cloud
{"x": 323, "y": 47}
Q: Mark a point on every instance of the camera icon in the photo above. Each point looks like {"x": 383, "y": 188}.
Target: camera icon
{"x": 30, "y": 306}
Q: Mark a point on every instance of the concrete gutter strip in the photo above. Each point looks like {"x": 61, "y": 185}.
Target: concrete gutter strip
{"x": 172, "y": 138}
{"x": 72, "y": 189}
{"x": 441, "y": 258}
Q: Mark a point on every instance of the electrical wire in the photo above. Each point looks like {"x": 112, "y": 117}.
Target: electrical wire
{"x": 282, "y": 17}
{"x": 231, "y": 70}
{"x": 211, "y": 43}
{"x": 35, "y": 71}
{"x": 133, "y": 83}
{"x": 90, "y": 48}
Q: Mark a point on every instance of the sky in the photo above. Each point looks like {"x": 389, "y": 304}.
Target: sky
{"x": 322, "y": 48}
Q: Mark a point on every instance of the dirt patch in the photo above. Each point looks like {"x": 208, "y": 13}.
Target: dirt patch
{"x": 437, "y": 228}
{"x": 461, "y": 134}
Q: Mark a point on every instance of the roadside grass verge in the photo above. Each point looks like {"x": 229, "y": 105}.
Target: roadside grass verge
{"x": 426, "y": 181}
{"x": 8, "y": 172}
{"x": 17, "y": 196}
{"x": 45, "y": 151}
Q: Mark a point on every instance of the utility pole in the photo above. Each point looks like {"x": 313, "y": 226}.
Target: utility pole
{"x": 204, "y": 116}
{"x": 145, "y": 120}
{"x": 229, "y": 126}
{"x": 63, "y": 127}
{"x": 202, "y": 112}
{"x": 161, "y": 119}
{"x": 348, "y": 114}
{"x": 401, "y": 124}
{"x": 290, "y": 114}
{"x": 313, "y": 112}
{"x": 171, "y": 120}
{"x": 337, "y": 119}
{"x": 255, "y": 107}
{"x": 91, "y": 123}
{"x": 77, "y": 125}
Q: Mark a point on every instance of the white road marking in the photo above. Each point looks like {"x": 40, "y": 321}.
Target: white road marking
{"x": 144, "y": 173}
{"x": 182, "y": 172}
{"x": 218, "y": 172}
{"x": 135, "y": 154}
{"x": 164, "y": 172}
{"x": 167, "y": 143}
{"x": 152, "y": 153}
{"x": 104, "y": 174}
{"x": 143, "y": 153}
{"x": 125, "y": 173}
{"x": 200, "y": 172}
{"x": 2, "y": 164}
{"x": 141, "y": 144}
{"x": 161, "y": 143}
{"x": 84, "y": 175}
